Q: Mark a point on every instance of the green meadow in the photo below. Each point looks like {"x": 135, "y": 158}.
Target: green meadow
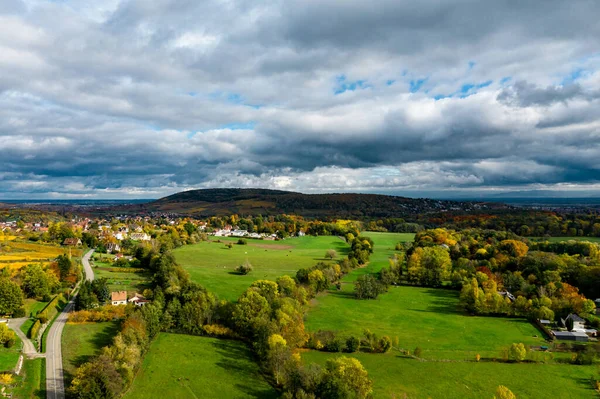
{"x": 185, "y": 366}
{"x": 10, "y": 356}
{"x": 31, "y": 384}
{"x": 212, "y": 264}
{"x": 82, "y": 341}
{"x": 395, "y": 376}
{"x": 424, "y": 317}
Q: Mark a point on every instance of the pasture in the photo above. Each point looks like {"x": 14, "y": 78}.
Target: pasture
{"x": 212, "y": 264}
{"x": 424, "y": 317}
{"x": 395, "y": 376}
{"x": 184, "y": 366}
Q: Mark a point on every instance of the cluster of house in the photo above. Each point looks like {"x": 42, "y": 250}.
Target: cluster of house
{"x": 578, "y": 333}
{"x": 229, "y": 231}
{"x": 120, "y": 298}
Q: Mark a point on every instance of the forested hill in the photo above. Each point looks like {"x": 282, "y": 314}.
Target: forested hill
{"x": 223, "y": 201}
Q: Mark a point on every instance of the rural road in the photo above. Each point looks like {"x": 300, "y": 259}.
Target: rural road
{"x": 89, "y": 273}
{"x": 55, "y": 383}
{"x": 28, "y": 347}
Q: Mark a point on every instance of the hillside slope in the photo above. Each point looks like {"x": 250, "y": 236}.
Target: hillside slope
{"x": 211, "y": 202}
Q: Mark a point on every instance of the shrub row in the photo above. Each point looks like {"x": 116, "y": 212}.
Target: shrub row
{"x": 34, "y": 330}
{"x": 50, "y": 310}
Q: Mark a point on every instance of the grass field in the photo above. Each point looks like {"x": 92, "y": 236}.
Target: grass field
{"x": 212, "y": 264}
{"x": 184, "y": 366}
{"x": 10, "y": 356}
{"x": 82, "y": 341}
{"x": 118, "y": 281}
{"x": 423, "y": 317}
{"x": 385, "y": 244}
{"x": 394, "y": 376}
{"x": 31, "y": 384}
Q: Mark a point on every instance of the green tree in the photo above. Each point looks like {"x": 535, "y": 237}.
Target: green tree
{"x": 517, "y": 352}
{"x": 38, "y": 283}
{"x": 251, "y": 309}
{"x": 437, "y": 266}
{"x": 345, "y": 377}
{"x": 65, "y": 266}
{"x": 11, "y": 296}
{"x": 368, "y": 287}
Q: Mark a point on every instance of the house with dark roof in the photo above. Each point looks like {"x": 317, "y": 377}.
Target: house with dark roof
{"x": 72, "y": 242}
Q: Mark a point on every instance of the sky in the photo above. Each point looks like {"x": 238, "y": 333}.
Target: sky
{"x": 142, "y": 99}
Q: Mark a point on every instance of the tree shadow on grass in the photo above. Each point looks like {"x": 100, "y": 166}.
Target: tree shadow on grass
{"x": 237, "y": 358}
{"x": 342, "y": 294}
{"x": 445, "y": 301}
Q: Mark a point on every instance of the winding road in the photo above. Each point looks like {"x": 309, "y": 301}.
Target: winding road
{"x": 55, "y": 384}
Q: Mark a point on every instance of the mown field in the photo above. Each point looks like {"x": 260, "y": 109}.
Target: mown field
{"x": 424, "y": 317}
{"x": 395, "y": 376}
{"x": 212, "y": 264}
{"x": 184, "y": 366}
{"x": 80, "y": 342}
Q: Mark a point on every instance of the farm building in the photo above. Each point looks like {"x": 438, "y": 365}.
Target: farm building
{"x": 72, "y": 242}
{"x": 571, "y": 336}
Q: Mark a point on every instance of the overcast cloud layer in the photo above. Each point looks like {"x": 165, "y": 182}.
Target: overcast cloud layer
{"x": 139, "y": 99}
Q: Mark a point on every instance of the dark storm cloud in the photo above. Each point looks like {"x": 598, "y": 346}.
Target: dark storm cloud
{"x": 138, "y": 98}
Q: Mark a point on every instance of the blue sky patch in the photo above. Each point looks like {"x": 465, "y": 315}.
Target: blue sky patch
{"x": 343, "y": 85}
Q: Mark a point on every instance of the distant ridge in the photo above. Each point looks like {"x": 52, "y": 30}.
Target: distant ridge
{"x": 243, "y": 201}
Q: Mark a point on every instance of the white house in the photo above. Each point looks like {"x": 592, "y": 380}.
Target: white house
{"x": 118, "y": 298}
{"x": 138, "y": 300}
{"x": 578, "y": 322}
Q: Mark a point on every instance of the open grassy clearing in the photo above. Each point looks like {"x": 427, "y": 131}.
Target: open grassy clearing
{"x": 10, "y": 356}
{"x": 184, "y": 366}
{"x": 212, "y": 264}
{"x": 385, "y": 244}
{"x": 423, "y": 317}
{"x": 82, "y": 341}
{"x": 393, "y": 376}
{"x": 31, "y": 384}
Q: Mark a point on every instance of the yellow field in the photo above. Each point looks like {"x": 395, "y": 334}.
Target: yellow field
{"x": 16, "y": 254}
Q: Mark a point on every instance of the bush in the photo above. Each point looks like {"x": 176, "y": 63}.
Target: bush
{"x": 34, "y": 330}
{"x": 216, "y": 330}
{"x": 352, "y": 344}
{"x": 10, "y": 342}
{"x": 334, "y": 345}
{"x": 19, "y": 312}
{"x": 384, "y": 344}
{"x": 242, "y": 241}
{"x": 229, "y": 245}
{"x": 244, "y": 269}
{"x": 418, "y": 351}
